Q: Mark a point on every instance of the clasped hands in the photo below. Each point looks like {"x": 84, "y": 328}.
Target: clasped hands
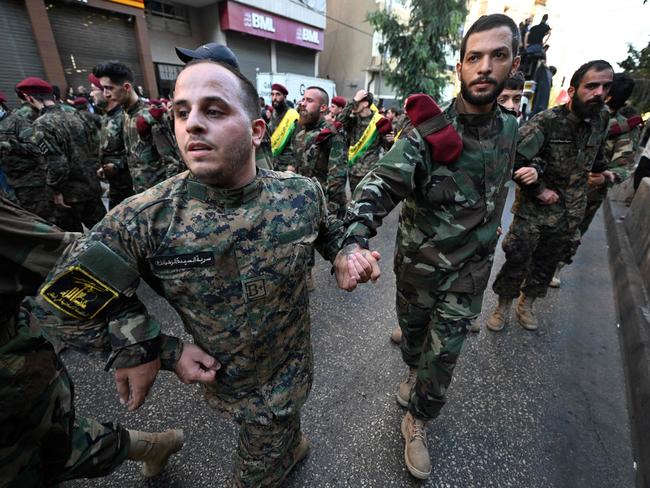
{"x": 354, "y": 265}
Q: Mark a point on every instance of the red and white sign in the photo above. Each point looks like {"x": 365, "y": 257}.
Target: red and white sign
{"x": 242, "y": 18}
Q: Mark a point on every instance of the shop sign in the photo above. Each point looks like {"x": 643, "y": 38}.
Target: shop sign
{"x": 242, "y": 18}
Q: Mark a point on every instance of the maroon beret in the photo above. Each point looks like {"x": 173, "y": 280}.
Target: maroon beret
{"x": 445, "y": 143}
{"x": 3, "y": 98}
{"x": 80, "y": 101}
{"x": 95, "y": 81}
{"x": 339, "y": 101}
{"x": 280, "y": 88}
{"x": 34, "y": 86}
{"x": 384, "y": 126}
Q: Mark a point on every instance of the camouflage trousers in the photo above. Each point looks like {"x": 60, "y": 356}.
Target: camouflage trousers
{"x": 42, "y": 441}
{"x": 87, "y": 212}
{"x": 595, "y": 199}
{"x": 266, "y": 452}
{"x": 532, "y": 253}
{"x": 434, "y": 325}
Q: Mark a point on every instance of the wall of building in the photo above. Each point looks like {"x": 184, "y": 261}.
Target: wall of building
{"x": 348, "y": 45}
{"x": 166, "y": 34}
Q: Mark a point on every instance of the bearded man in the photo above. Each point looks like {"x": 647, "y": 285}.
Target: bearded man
{"x": 281, "y": 129}
{"x": 564, "y": 145}
{"x": 449, "y": 169}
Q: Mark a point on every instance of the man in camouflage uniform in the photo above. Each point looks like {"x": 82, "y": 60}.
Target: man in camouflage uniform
{"x": 622, "y": 140}
{"x": 449, "y": 172}
{"x": 112, "y": 155}
{"x": 320, "y": 149}
{"x": 229, "y": 247}
{"x": 357, "y": 117}
{"x": 71, "y": 164}
{"x": 152, "y": 155}
{"x": 24, "y": 165}
{"x": 283, "y": 155}
{"x": 42, "y": 441}
{"x": 563, "y": 144}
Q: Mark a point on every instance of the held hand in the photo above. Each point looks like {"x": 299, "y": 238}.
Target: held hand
{"x": 596, "y": 180}
{"x": 526, "y": 175}
{"x": 133, "y": 384}
{"x": 609, "y": 176}
{"x": 195, "y": 365}
{"x": 356, "y": 265}
{"x": 548, "y": 197}
{"x": 59, "y": 201}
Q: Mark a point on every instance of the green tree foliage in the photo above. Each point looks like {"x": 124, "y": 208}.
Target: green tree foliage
{"x": 418, "y": 50}
{"x": 637, "y": 65}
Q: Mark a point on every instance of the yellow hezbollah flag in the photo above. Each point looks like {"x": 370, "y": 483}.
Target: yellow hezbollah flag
{"x": 367, "y": 138}
{"x": 283, "y": 131}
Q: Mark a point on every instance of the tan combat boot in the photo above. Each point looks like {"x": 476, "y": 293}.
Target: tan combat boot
{"x": 474, "y": 326}
{"x": 154, "y": 449}
{"x": 404, "y": 389}
{"x": 416, "y": 453}
{"x": 396, "y": 335}
{"x": 499, "y": 315}
{"x": 555, "y": 281}
{"x": 301, "y": 452}
{"x": 525, "y": 313}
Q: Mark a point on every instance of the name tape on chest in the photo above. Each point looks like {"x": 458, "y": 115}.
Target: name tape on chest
{"x": 180, "y": 261}
{"x": 79, "y": 294}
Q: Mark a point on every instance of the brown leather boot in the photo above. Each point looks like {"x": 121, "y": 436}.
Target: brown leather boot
{"x": 396, "y": 335}
{"x": 154, "y": 448}
{"x": 525, "y": 314}
{"x": 416, "y": 452}
{"x": 499, "y": 316}
{"x": 404, "y": 389}
{"x": 301, "y": 452}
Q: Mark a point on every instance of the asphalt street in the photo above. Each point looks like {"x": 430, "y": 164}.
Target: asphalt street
{"x": 526, "y": 409}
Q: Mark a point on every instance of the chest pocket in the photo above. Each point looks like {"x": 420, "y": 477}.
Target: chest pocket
{"x": 457, "y": 188}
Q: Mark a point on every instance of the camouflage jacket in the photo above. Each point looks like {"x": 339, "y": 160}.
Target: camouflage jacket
{"x": 320, "y": 153}
{"x": 621, "y": 146}
{"x": 21, "y": 159}
{"x": 449, "y": 218}
{"x": 354, "y": 127}
{"x": 564, "y": 149}
{"x": 71, "y": 166}
{"x": 112, "y": 151}
{"x": 27, "y": 112}
{"x": 287, "y": 156}
{"x": 232, "y": 263}
{"x": 152, "y": 155}
{"x": 93, "y": 124}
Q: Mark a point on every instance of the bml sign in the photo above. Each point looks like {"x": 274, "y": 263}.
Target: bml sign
{"x": 308, "y": 35}
{"x": 259, "y": 21}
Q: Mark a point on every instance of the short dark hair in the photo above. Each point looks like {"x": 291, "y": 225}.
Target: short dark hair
{"x": 323, "y": 94}
{"x": 621, "y": 89}
{"x": 515, "y": 82}
{"x": 395, "y": 109}
{"x": 249, "y": 96}
{"x": 117, "y": 71}
{"x": 488, "y": 22}
{"x": 597, "y": 64}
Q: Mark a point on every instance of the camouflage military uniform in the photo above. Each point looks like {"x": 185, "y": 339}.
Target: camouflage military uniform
{"x": 445, "y": 240}
{"x": 564, "y": 149}
{"x": 320, "y": 153}
{"x": 111, "y": 151}
{"x": 27, "y": 112}
{"x": 152, "y": 155}
{"x": 71, "y": 166}
{"x": 233, "y": 264}
{"x": 354, "y": 127}
{"x": 42, "y": 441}
{"x": 24, "y": 166}
{"x": 287, "y": 156}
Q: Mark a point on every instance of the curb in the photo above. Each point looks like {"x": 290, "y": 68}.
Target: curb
{"x": 633, "y": 307}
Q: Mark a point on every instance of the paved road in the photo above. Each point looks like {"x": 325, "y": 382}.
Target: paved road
{"x": 526, "y": 409}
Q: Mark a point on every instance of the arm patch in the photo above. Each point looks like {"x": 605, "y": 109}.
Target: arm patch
{"x": 79, "y": 294}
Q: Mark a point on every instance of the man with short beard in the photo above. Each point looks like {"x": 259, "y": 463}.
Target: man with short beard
{"x": 282, "y": 127}
{"x": 320, "y": 149}
{"x": 563, "y": 145}
{"x": 452, "y": 192}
